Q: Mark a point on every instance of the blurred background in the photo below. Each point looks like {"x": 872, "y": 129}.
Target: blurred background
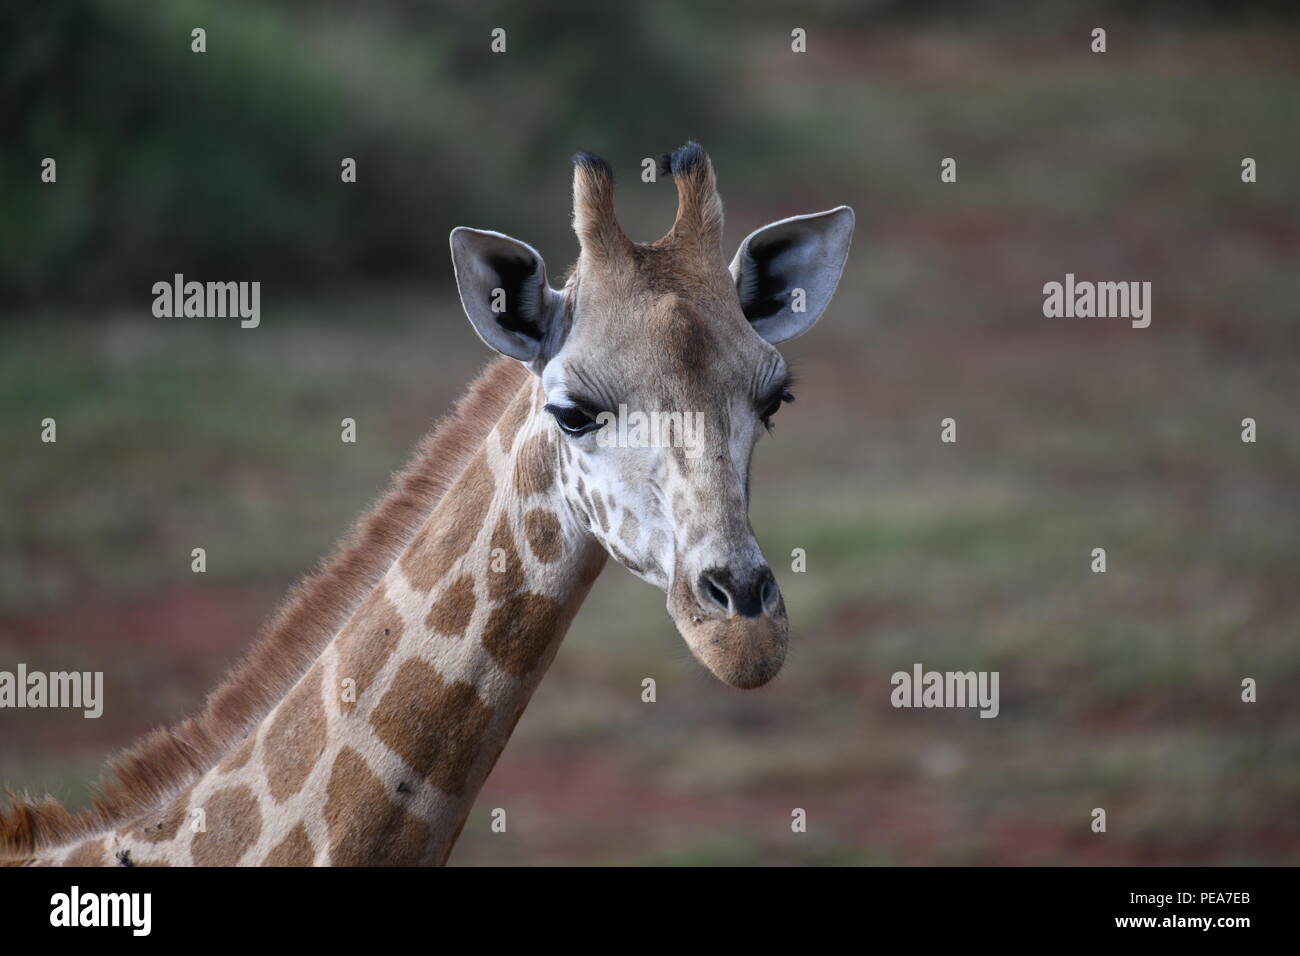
{"x": 1119, "y": 690}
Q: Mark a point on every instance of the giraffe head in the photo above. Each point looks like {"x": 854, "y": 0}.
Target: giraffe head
{"x": 660, "y": 372}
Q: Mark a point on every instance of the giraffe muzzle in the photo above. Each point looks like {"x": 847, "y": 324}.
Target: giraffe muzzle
{"x": 735, "y": 624}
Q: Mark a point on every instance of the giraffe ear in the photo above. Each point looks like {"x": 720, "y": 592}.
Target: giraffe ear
{"x": 787, "y": 271}
{"x": 503, "y": 288}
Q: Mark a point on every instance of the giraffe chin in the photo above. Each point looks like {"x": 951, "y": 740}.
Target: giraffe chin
{"x": 745, "y": 652}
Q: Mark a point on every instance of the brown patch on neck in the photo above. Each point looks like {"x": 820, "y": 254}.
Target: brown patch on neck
{"x": 90, "y": 853}
{"x": 233, "y": 823}
{"x": 506, "y": 581}
{"x": 521, "y": 631}
{"x": 535, "y": 466}
{"x": 451, "y": 613}
{"x": 365, "y": 827}
{"x": 163, "y": 827}
{"x": 294, "y": 638}
{"x": 542, "y": 529}
{"x": 293, "y": 850}
{"x": 239, "y": 756}
{"x": 452, "y": 528}
{"x": 435, "y": 725}
{"x": 296, "y": 737}
{"x": 371, "y": 638}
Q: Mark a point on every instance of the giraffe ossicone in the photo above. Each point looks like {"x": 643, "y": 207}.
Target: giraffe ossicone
{"x": 361, "y": 726}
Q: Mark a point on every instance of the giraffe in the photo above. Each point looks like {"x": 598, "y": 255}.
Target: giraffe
{"x": 362, "y": 725}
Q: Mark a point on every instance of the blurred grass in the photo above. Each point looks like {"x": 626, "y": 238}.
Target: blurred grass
{"x": 1118, "y": 690}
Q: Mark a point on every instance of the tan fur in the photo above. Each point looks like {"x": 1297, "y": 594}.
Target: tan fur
{"x": 169, "y": 759}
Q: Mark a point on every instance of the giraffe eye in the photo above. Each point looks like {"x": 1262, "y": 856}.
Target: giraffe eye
{"x": 572, "y": 419}
{"x": 773, "y": 406}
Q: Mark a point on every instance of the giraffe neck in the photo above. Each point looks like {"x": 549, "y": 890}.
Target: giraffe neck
{"x": 377, "y": 753}
{"x": 474, "y": 611}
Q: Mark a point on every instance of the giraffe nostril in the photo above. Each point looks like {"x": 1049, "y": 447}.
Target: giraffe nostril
{"x": 768, "y": 593}
{"x": 750, "y": 596}
{"x": 714, "y": 593}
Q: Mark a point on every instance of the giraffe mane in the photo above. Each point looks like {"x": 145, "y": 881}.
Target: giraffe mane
{"x": 167, "y": 759}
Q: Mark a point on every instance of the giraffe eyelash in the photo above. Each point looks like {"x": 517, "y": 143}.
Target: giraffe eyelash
{"x": 573, "y": 420}
{"x": 773, "y": 405}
